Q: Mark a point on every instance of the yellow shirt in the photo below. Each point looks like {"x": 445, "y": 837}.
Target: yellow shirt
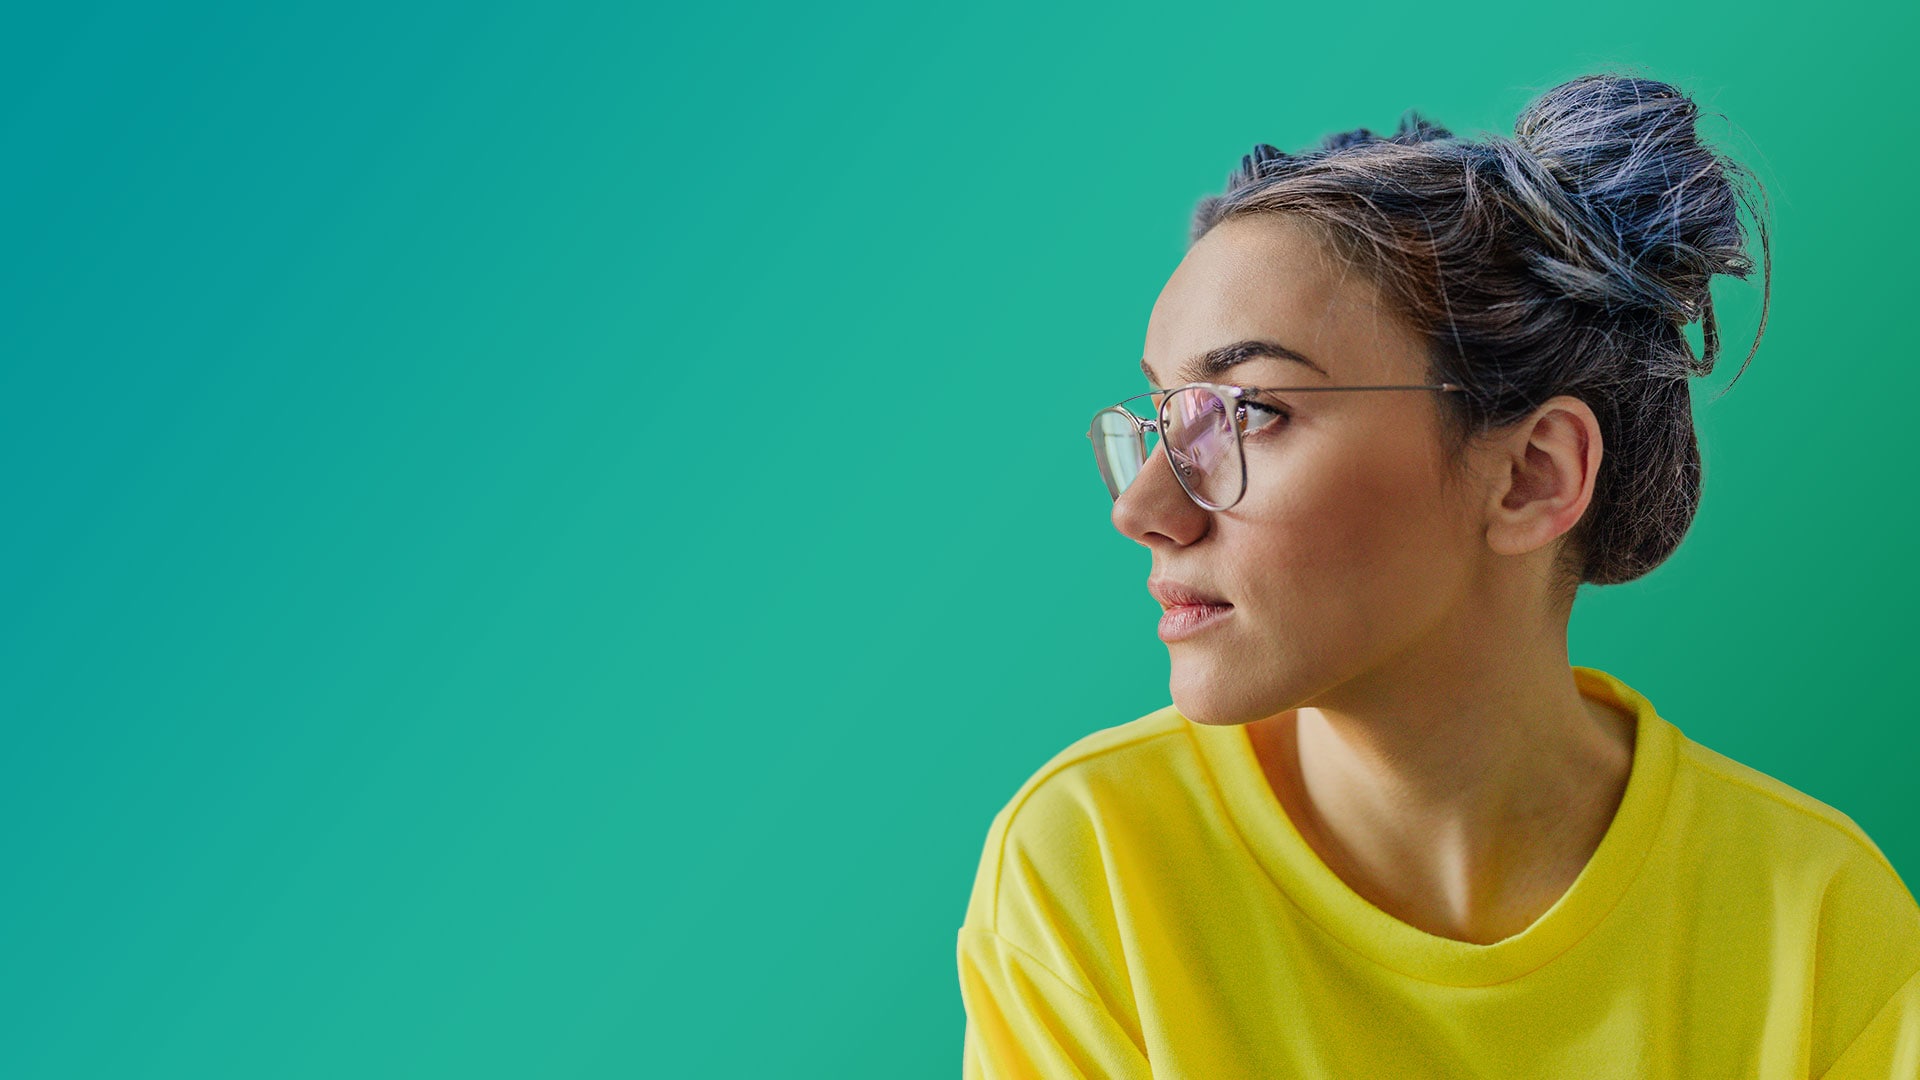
{"x": 1144, "y": 907}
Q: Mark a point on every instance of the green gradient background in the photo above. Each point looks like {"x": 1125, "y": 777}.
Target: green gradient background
{"x": 448, "y": 632}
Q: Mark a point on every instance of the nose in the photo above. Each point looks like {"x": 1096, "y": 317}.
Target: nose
{"x": 1156, "y": 505}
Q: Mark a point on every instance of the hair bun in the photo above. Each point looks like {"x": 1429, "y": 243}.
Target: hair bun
{"x": 1632, "y": 209}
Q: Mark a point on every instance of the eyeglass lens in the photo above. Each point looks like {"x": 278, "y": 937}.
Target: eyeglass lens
{"x": 1201, "y": 445}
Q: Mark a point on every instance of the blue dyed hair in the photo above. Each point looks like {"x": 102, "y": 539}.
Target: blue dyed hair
{"x": 1567, "y": 259}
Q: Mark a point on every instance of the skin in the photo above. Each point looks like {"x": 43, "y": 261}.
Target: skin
{"x": 1394, "y": 645}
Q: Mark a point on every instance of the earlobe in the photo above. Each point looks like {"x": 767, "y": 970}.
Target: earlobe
{"x": 1551, "y": 462}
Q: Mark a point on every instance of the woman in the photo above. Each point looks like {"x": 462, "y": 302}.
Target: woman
{"x": 1385, "y": 828}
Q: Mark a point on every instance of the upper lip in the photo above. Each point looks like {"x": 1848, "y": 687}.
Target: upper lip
{"x": 1173, "y": 594}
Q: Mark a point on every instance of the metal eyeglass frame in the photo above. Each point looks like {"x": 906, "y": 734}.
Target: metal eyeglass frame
{"x": 1226, "y": 391}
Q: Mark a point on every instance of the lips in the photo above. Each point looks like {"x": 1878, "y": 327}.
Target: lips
{"x": 1173, "y": 594}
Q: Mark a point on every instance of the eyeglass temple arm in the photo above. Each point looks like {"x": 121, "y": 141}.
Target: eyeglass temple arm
{"x": 1445, "y": 387}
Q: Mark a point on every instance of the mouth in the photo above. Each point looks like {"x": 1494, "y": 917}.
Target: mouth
{"x": 1175, "y": 594}
{"x": 1182, "y": 621}
{"x": 1194, "y": 603}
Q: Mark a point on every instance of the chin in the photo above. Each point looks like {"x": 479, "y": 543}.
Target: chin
{"x": 1211, "y": 721}
{"x": 1203, "y": 701}
{"x": 1207, "y": 689}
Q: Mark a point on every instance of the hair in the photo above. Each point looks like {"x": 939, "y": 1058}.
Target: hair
{"x": 1565, "y": 260}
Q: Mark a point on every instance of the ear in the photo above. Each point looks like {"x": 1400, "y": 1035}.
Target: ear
{"x": 1544, "y": 473}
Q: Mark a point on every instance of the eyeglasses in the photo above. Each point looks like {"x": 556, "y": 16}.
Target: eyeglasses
{"x": 1203, "y": 425}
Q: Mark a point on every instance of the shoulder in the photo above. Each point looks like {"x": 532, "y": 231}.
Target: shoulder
{"x": 1088, "y": 769}
{"x": 1046, "y": 844}
{"x": 1051, "y": 881}
{"x": 1772, "y": 810}
{"x": 1832, "y": 890}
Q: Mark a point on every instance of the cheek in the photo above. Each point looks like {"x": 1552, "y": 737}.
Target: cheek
{"x": 1354, "y": 525}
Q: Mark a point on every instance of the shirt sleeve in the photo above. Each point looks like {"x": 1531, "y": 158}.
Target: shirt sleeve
{"x": 1889, "y": 1047}
{"x": 1024, "y": 1021}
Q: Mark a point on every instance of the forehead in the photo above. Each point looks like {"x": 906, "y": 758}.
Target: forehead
{"x": 1271, "y": 277}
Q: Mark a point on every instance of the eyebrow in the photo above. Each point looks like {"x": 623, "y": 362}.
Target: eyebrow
{"x": 1220, "y": 360}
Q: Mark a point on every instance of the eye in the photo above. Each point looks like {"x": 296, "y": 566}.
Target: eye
{"x": 1261, "y": 416}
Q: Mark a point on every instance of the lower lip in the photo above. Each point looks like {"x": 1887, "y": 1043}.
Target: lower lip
{"x": 1189, "y": 619}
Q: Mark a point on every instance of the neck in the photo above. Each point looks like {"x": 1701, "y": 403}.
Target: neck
{"x": 1461, "y": 798}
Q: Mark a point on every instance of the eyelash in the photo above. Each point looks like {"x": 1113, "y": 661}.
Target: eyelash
{"x": 1281, "y": 415}
{"x": 1277, "y": 413}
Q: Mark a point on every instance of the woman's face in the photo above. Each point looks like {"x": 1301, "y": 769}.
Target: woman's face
{"x": 1348, "y": 552}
